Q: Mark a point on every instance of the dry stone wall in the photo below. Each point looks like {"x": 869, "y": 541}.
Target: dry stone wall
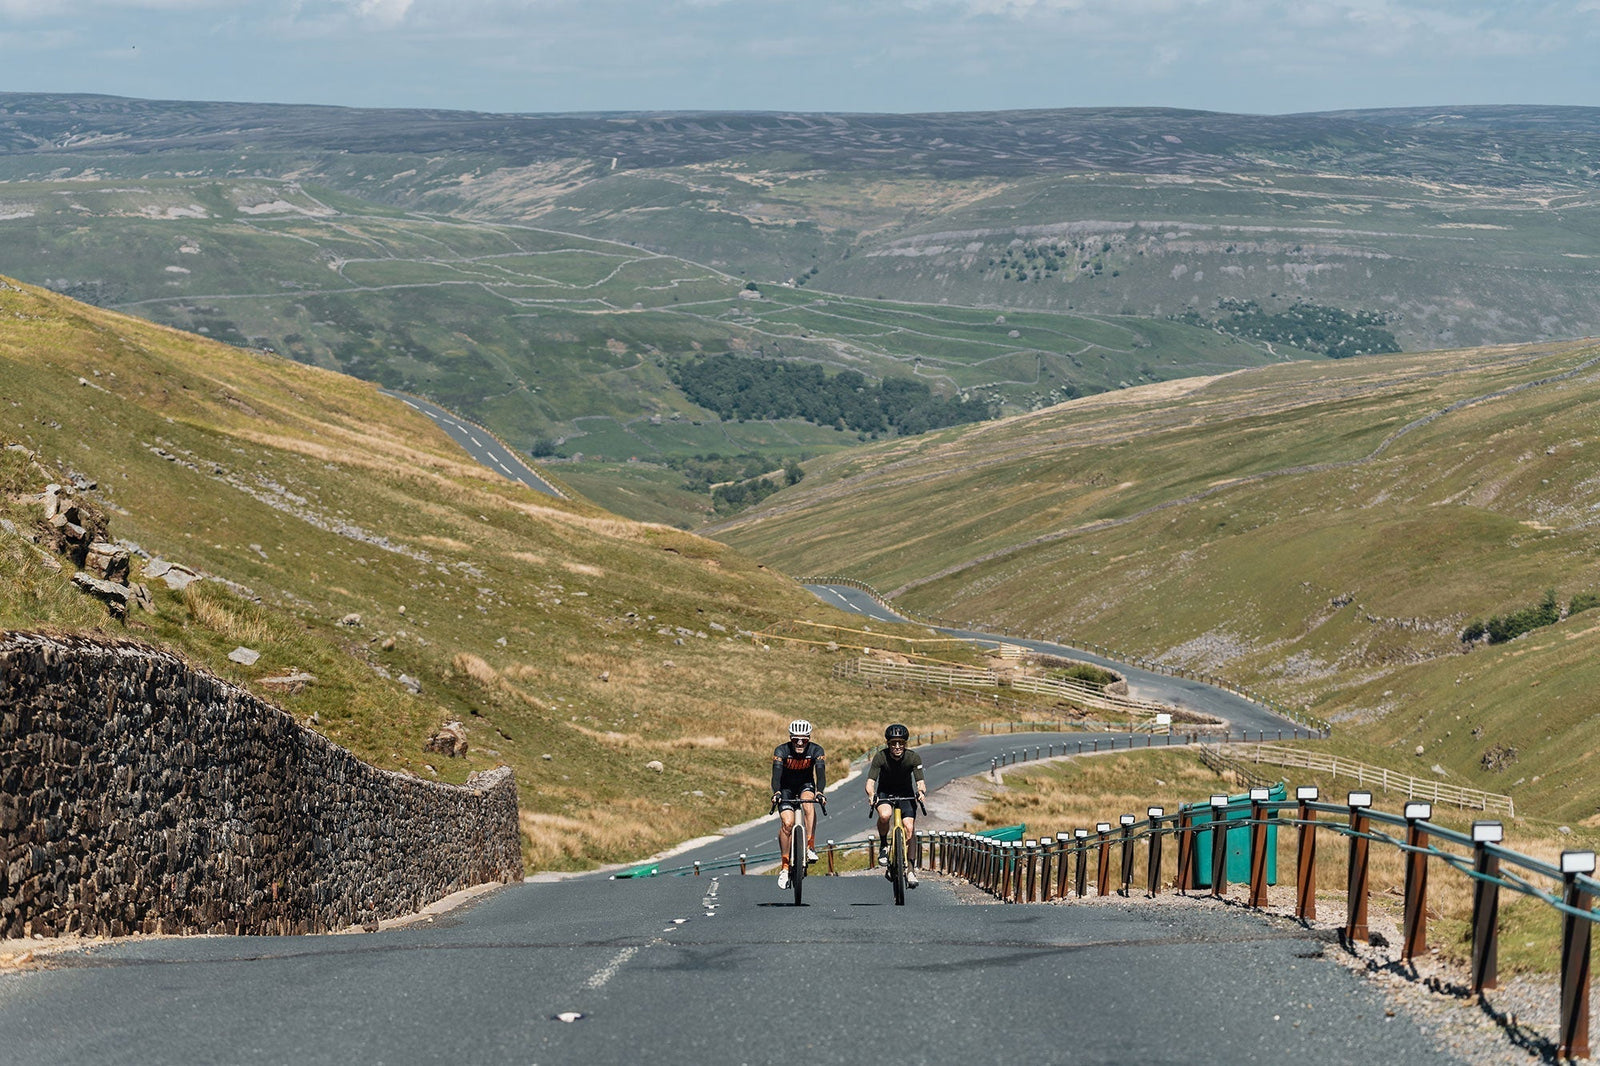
{"x": 140, "y": 795}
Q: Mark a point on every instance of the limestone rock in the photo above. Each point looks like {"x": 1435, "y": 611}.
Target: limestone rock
{"x": 244, "y": 656}
{"x": 655, "y": 764}
{"x": 114, "y": 595}
{"x": 107, "y": 561}
{"x": 176, "y": 576}
{"x": 411, "y": 683}
{"x": 450, "y": 740}
{"x": 288, "y": 684}
{"x": 352, "y": 620}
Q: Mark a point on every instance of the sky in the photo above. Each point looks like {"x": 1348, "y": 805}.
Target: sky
{"x": 532, "y": 56}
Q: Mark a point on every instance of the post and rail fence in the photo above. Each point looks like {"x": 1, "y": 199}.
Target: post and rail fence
{"x": 1054, "y": 867}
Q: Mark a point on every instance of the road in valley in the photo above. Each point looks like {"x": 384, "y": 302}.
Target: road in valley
{"x": 1242, "y": 715}
{"x": 478, "y": 443}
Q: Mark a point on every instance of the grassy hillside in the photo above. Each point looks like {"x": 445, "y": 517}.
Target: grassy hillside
{"x": 1321, "y": 531}
{"x": 576, "y": 646}
{"x": 540, "y": 273}
{"x": 542, "y": 335}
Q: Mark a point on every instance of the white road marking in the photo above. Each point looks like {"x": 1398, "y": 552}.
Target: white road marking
{"x": 610, "y": 969}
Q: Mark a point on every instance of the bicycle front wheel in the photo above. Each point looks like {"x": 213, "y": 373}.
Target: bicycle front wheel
{"x": 797, "y": 859}
{"x": 897, "y": 866}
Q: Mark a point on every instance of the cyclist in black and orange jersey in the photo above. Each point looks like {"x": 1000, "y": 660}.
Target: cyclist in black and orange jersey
{"x": 798, "y": 773}
{"x": 895, "y": 771}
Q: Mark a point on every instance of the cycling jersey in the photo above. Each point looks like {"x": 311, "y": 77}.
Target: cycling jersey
{"x": 895, "y": 777}
{"x": 793, "y": 770}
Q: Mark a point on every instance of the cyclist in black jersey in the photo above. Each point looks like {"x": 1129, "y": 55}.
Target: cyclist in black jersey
{"x": 895, "y": 771}
{"x": 799, "y": 772}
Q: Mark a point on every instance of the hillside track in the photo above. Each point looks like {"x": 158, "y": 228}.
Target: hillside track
{"x": 710, "y": 970}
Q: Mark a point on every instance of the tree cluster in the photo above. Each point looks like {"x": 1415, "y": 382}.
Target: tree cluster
{"x": 742, "y": 388}
{"x": 736, "y": 481}
{"x": 1501, "y": 628}
{"x": 1332, "y": 331}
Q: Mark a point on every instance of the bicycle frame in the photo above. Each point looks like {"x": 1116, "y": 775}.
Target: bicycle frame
{"x": 797, "y": 841}
{"x": 899, "y": 846}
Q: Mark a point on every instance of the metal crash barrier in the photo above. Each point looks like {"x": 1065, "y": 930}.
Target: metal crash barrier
{"x": 1213, "y": 838}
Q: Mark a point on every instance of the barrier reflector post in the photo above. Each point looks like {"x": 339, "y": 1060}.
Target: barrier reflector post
{"x": 1082, "y": 836}
{"x": 1258, "y": 846}
{"x": 1153, "y": 873}
{"x": 1102, "y": 882}
{"x": 1219, "y": 846}
{"x": 1575, "y": 943}
{"x": 1416, "y": 912}
{"x": 1305, "y": 902}
{"x": 1355, "y": 923}
{"x": 1185, "y": 831}
{"x": 1126, "y": 886}
{"x": 1485, "y": 906}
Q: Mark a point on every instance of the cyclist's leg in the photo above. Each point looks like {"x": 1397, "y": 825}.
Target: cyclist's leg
{"x": 885, "y": 815}
{"x": 911, "y": 849}
{"x": 810, "y": 816}
{"x": 785, "y": 828}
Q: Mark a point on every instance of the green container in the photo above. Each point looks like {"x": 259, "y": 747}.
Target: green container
{"x": 649, "y": 869}
{"x": 1236, "y": 837}
{"x": 1004, "y": 832}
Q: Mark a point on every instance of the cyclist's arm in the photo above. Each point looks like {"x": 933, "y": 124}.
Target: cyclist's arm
{"x": 819, "y": 771}
{"x": 916, "y": 771}
{"x": 777, "y": 773}
{"x": 874, "y": 770}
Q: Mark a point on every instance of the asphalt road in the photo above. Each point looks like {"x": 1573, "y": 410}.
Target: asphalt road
{"x": 1241, "y": 714}
{"x": 723, "y": 969}
{"x": 683, "y": 970}
{"x": 479, "y": 444}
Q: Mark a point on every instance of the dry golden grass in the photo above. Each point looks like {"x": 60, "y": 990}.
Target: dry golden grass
{"x": 232, "y": 618}
{"x": 476, "y": 668}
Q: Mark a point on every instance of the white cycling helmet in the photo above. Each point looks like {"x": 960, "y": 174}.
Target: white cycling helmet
{"x": 799, "y": 728}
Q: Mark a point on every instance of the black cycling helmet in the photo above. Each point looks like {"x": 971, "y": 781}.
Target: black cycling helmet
{"x": 897, "y": 732}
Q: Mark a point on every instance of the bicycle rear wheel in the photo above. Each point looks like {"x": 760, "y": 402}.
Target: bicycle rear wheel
{"x": 897, "y": 866}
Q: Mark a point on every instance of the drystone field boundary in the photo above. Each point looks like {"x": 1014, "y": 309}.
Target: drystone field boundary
{"x": 138, "y": 794}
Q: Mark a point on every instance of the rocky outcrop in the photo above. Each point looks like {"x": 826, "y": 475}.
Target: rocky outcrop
{"x": 140, "y": 795}
{"x": 450, "y": 740}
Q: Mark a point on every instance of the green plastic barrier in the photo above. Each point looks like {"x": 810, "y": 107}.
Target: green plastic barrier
{"x": 1236, "y": 840}
{"x": 649, "y": 869}
{"x": 1004, "y": 832}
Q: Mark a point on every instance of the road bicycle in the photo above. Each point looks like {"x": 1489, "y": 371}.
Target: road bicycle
{"x": 899, "y": 849}
{"x": 797, "y": 842}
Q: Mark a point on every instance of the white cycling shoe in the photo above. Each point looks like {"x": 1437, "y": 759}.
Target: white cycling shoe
{"x": 911, "y": 878}
{"x": 811, "y": 856}
{"x": 783, "y": 878}
{"x": 883, "y": 857}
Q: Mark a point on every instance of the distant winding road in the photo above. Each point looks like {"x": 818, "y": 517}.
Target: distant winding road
{"x": 479, "y": 443}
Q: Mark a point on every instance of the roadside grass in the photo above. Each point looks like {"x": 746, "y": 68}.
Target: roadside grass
{"x": 1080, "y": 792}
{"x": 364, "y": 545}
